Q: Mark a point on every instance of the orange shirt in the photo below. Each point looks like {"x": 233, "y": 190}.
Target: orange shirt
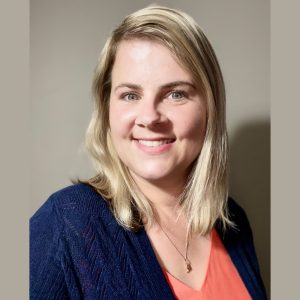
{"x": 222, "y": 279}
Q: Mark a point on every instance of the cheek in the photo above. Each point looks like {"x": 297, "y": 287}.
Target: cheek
{"x": 121, "y": 120}
{"x": 191, "y": 125}
{"x": 198, "y": 129}
{"x": 195, "y": 138}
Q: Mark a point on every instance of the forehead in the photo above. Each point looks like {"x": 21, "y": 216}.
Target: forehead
{"x": 143, "y": 58}
{"x": 138, "y": 48}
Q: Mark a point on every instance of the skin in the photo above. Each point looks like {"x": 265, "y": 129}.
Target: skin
{"x": 154, "y": 99}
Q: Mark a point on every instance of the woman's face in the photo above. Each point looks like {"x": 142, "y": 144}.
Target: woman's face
{"x": 157, "y": 115}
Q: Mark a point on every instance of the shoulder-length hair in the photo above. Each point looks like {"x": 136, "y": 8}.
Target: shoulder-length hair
{"x": 204, "y": 198}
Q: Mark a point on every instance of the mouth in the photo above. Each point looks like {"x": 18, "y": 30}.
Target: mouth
{"x": 155, "y": 143}
{"x": 154, "y": 146}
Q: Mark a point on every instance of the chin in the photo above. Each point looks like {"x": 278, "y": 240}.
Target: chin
{"x": 157, "y": 175}
{"x": 150, "y": 173}
{"x": 152, "y": 177}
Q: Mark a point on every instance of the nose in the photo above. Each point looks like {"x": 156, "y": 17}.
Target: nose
{"x": 149, "y": 114}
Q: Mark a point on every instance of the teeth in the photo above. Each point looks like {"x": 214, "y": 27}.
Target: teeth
{"x": 154, "y": 143}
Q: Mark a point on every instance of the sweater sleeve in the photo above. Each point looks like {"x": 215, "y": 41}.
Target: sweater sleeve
{"x": 46, "y": 272}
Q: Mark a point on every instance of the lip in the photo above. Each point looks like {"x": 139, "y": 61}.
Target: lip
{"x": 157, "y": 138}
{"x": 151, "y": 147}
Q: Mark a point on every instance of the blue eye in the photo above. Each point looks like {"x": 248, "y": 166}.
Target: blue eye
{"x": 130, "y": 97}
{"x": 177, "y": 95}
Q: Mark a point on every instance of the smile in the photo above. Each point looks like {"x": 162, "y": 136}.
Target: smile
{"x": 156, "y": 146}
{"x": 154, "y": 143}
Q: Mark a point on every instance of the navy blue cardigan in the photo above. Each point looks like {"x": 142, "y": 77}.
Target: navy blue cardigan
{"x": 79, "y": 251}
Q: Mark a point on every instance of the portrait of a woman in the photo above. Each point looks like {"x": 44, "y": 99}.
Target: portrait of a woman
{"x": 156, "y": 221}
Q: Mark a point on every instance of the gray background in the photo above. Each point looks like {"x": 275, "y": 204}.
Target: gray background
{"x": 65, "y": 39}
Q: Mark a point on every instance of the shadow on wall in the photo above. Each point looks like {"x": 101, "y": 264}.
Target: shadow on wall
{"x": 250, "y": 185}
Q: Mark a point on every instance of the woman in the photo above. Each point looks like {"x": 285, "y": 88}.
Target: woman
{"x": 156, "y": 221}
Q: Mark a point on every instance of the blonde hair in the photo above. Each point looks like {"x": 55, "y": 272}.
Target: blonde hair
{"x": 205, "y": 196}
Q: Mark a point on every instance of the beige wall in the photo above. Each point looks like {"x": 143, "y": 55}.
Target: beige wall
{"x": 66, "y": 37}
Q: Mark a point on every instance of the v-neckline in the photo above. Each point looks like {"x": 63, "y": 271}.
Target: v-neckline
{"x": 155, "y": 267}
{"x": 186, "y": 286}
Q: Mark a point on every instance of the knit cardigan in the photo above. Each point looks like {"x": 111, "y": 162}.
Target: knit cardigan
{"x": 79, "y": 251}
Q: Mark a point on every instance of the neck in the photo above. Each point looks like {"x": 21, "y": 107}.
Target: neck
{"x": 164, "y": 197}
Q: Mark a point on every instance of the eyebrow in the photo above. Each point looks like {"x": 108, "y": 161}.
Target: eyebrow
{"x": 167, "y": 85}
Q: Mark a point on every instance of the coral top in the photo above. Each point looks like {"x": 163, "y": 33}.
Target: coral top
{"x": 222, "y": 280}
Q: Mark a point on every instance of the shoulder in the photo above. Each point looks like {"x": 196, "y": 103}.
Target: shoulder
{"x": 72, "y": 206}
{"x": 241, "y": 229}
{"x": 77, "y": 197}
{"x": 238, "y": 215}
{"x": 238, "y": 239}
{"x": 74, "y": 197}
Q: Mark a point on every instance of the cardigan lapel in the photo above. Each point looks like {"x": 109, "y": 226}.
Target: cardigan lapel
{"x": 154, "y": 279}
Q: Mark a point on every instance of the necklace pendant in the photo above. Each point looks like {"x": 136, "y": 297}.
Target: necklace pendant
{"x": 188, "y": 267}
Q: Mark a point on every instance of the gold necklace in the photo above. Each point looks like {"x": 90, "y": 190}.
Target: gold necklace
{"x": 185, "y": 257}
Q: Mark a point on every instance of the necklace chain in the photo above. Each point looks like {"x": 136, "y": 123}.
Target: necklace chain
{"x": 185, "y": 257}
